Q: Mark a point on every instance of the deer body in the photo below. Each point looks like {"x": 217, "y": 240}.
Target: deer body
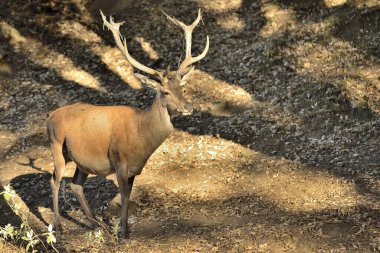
{"x": 103, "y": 140}
{"x": 109, "y": 133}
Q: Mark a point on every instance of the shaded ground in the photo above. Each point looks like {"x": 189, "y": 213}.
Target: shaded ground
{"x": 282, "y": 154}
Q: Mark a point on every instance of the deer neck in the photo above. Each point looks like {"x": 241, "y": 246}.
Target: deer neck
{"x": 155, "y": 125}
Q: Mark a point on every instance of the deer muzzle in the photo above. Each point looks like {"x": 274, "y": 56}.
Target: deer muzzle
{"x": 187, "y": 110}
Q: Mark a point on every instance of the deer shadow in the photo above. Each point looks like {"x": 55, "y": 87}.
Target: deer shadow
{"x": 99, "y": 193}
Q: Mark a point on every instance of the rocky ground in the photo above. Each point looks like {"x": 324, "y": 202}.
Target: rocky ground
{"x": 281, "y": 155}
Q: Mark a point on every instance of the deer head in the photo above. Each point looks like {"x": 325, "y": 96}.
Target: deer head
{"x": 169, "y": 83}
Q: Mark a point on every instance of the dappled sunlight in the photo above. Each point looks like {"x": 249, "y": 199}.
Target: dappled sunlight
{"x": 220, "y": 5}
{"x": 359, "y": 83}
{"x": 206, "y": 168}
{"x": 7, "y": 140}
{"x": 360, "y": 92}
{"x": 79, "y": 76}
{"x": 11, "y": 33}
{"x": 221, "y": 98}
{"x": 147, "y": 47}
{"x": 215, "y": 92}
{"x": 74, "y": 30}
{"x": 279, "y": 155}
{"x": 277, "y": 20}
{"x": 318, "y": 60}
{"x": 334, "y": 3}
{"x": 231, "y": 22}
{"x": 116, "y": 62}
{"x": 295, "y": 187}
{"x": 372, "y": 74}
{"x": 111, "y": 56}
{"x": 365, "y": 4}
{"x": 194, "y": 165}
{"x": 37, "y": 52}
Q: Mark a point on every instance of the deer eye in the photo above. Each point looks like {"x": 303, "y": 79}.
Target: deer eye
{"x": 166, "y": 93}
{"x": 184, "y": 91}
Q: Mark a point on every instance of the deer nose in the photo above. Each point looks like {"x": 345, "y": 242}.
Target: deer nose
{"x": 188, "y": 109}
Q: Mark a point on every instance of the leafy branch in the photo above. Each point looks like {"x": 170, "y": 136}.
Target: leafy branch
{"x": 25, "y": 232}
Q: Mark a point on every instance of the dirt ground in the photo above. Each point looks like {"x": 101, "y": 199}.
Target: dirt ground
{"x": 281, "y": 154}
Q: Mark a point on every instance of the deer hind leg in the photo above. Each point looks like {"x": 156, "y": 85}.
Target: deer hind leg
{"x": 59, "y": 167}
{"x": 77, "y": 187}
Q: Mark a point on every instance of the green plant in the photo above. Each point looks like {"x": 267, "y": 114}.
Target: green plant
{"x": 96, "y": 236}
{"x": 115, "y": 231}
{"x": 31, "y": 239}
{"x": 25, "y": 232}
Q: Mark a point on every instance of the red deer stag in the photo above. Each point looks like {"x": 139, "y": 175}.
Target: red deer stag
{"x": 103, "y": 140}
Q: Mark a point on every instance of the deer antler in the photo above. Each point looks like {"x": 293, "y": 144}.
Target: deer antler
{"x": 188, "y": 29}
{"x": 122, "y": 45}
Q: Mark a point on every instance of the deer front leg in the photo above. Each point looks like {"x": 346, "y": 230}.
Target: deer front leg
{"x": 77, "y": 187}
{"x": 125, "y": 186}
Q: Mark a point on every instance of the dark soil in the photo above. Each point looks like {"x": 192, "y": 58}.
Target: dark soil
{"x": 281, "y": 154}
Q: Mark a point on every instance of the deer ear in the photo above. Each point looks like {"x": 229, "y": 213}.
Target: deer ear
{"x": 186, "y": 77}
{"x": 152, "y": 83}
{"x": 166, "y": 72}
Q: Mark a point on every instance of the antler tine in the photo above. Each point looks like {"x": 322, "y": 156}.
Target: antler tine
{"x": 191, "y": 60}
{"x": 122, "y": 45}
{"x": 188, "y": 29}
